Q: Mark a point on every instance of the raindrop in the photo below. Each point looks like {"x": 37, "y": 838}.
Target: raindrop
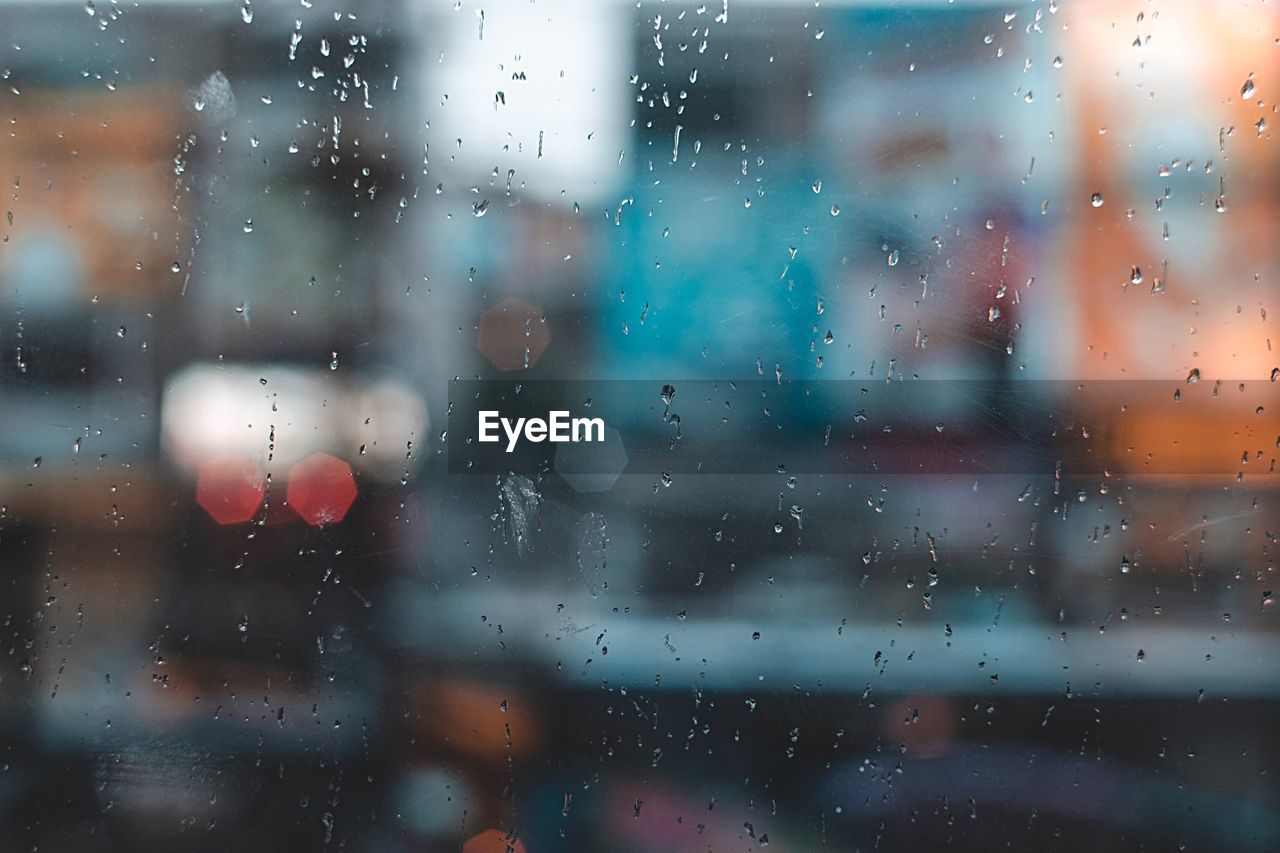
{"x": 1096, "y": 199}
{"x": 1246, "y": 91}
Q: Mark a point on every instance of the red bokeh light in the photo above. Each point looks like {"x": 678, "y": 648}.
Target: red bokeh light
{"x": 230, "y": 489}
{"x": 321, "y": 489}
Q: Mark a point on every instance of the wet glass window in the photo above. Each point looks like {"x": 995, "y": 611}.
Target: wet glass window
{"x": 651, "y": 426}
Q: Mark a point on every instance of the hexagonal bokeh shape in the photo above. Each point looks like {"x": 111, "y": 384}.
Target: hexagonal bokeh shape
{"x": 513, "y": 335}
{"x": 592, "y": 466}
{"x": 230, "y": 488}
{"x": 493, "y": 841}
{"x": 321, "y": 489}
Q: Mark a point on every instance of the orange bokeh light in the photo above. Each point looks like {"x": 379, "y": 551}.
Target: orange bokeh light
{"x": 493, "y": 841}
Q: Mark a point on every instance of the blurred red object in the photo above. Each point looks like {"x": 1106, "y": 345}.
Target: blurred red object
{"x": 321, "y": 489}
{"x": 230, "y": 489}
{"x": 493, "y": 841}
{"x": 513, "y": 335}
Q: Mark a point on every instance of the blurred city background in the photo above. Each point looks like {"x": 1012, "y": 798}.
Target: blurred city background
{"x": 250, "y": 247}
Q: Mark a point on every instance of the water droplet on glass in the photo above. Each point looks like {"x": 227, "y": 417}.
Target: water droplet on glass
{"x": 1096, "y": 199}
